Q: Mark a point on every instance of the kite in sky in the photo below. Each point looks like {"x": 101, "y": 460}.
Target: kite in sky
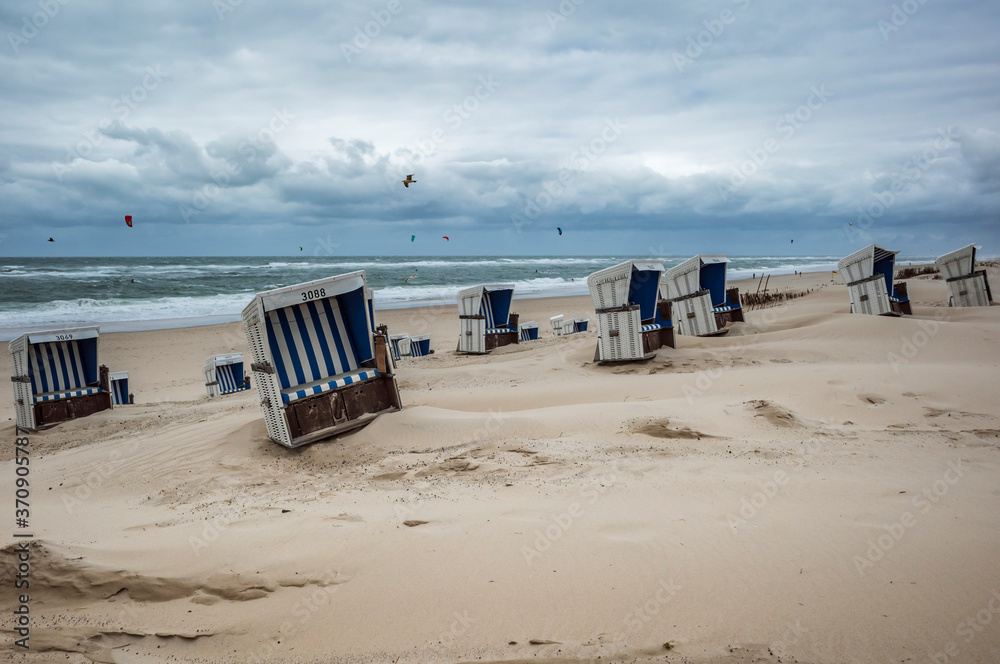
{"x": 412, "y": 238}
{"x": 300, "y": 248}
{"x": 446, "y": 237}
{"x": 559, "y": 229}
{"x": 128, "y": 220}
{"x": 51, "y": 240}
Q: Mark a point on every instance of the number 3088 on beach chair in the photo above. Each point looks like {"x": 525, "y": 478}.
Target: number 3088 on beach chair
{"x": 320, "y": 368}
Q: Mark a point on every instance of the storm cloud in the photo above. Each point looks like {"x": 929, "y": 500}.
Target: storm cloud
{"x": 731, "y": 126}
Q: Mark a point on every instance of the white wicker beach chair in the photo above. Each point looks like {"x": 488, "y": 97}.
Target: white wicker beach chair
{"x": 57, "y": 376}
{"x": 702, "y": 305}
{"x": 224, "y": 374}
{"x": 485, "y": 321}
{"x": 320, "y": 368}
{"x": 632, "y": 322}
{"x": 868, "y": 274}
{"x": 968, "y": 287}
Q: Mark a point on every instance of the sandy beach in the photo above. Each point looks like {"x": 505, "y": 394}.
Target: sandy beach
{"x": 814, "y": 486}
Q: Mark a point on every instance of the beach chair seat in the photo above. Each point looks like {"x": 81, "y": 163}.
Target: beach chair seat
{"x": 485, "y": 321}
{"x": 324, "y": 385}
{"x": 632, "y": 322}
{"x": 57, "y": 376}
{"x": 320, "y": 368}
{"x": 52, "y": 396}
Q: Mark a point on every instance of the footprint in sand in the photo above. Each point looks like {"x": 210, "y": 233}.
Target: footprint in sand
{"x": 872, "y": 399}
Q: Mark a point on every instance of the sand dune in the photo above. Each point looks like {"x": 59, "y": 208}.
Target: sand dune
{"x": 814, "y": 486}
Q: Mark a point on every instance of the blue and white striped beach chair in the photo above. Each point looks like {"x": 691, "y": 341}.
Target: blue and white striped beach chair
{"x": 57, "y": 376}
{"x": 529, "y": 331}
{"x": 319, "y": 367}
{"x": 485, "y": 321}
{"x": 400, "y": 345}
{"x": 701, "y": 303}
{"x": 632, "y": 322}
{"x": 224, "y": 374}
{"x": 420, "y": 345}
{"x": 119, "y": 388}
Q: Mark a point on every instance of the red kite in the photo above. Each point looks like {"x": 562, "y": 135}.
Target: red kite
{"x": 128, "y": 220}
{"x": 446, "y": 237}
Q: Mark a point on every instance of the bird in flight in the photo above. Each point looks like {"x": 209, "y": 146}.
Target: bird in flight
{"x": 408, "y": 181}
{"x": 412, "y": 276}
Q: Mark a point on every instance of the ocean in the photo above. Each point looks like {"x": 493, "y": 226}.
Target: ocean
{"x": 124, "y": 294}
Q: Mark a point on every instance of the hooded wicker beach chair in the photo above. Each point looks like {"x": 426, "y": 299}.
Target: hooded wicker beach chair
{"x": 528, "y": 330}
{"x": 119, "y": 388}
{"x": 57, "y": 376}
{"x": 224, "y": 374}
{"x": 968, "y": 287}
{"x": 420, "y": 345}
{"x": 485, "y": 321}
{"x": 702, "y": 305}
{"x": 632, "y": 321}
{"x": 400, "y": 345}
{"x": 868, "y": 274}
{"x": 320, "y": 368}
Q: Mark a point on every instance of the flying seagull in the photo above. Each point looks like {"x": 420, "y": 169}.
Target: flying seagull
{"x": 408, "y": 181}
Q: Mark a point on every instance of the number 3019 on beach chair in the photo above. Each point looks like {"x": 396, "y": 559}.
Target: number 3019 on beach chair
{"x": 320, "y": 368}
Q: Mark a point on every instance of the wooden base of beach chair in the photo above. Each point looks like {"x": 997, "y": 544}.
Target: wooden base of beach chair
{"x": 339, "y": 411}
{"x": 654, "y": 340}
{"x": 48, "y": 413}
{"x": 498, "y": 339}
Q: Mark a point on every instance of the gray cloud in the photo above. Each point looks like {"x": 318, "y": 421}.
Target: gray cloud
{"x": 300, "y": 119}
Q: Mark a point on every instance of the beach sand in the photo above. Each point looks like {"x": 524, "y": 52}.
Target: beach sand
{"x": 814, "y": 486}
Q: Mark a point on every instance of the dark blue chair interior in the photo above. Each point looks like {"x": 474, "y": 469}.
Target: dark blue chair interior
{"x": 496, "y": 307}
{"x": 299, "y": 329}
{"x": 56, "y": 366}
{"x": 885, "y": 267}
{"x": 643, "y": 289}
{"x": 712, "y": 277}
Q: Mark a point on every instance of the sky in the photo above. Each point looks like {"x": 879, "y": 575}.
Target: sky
{"x": 744, "y": 127}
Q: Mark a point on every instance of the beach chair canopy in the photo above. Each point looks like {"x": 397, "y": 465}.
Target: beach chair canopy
{"x": 635, "y": 282}
{"x": 491, "y": 301}
{"x": 319, "y": 338}
{"x": 959, "y": 263}
{"x": 702, "y": 272}
{"x": 119, "y": 387}
{"x": 63, "y": 363}
{"x": 868, "y": 262}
